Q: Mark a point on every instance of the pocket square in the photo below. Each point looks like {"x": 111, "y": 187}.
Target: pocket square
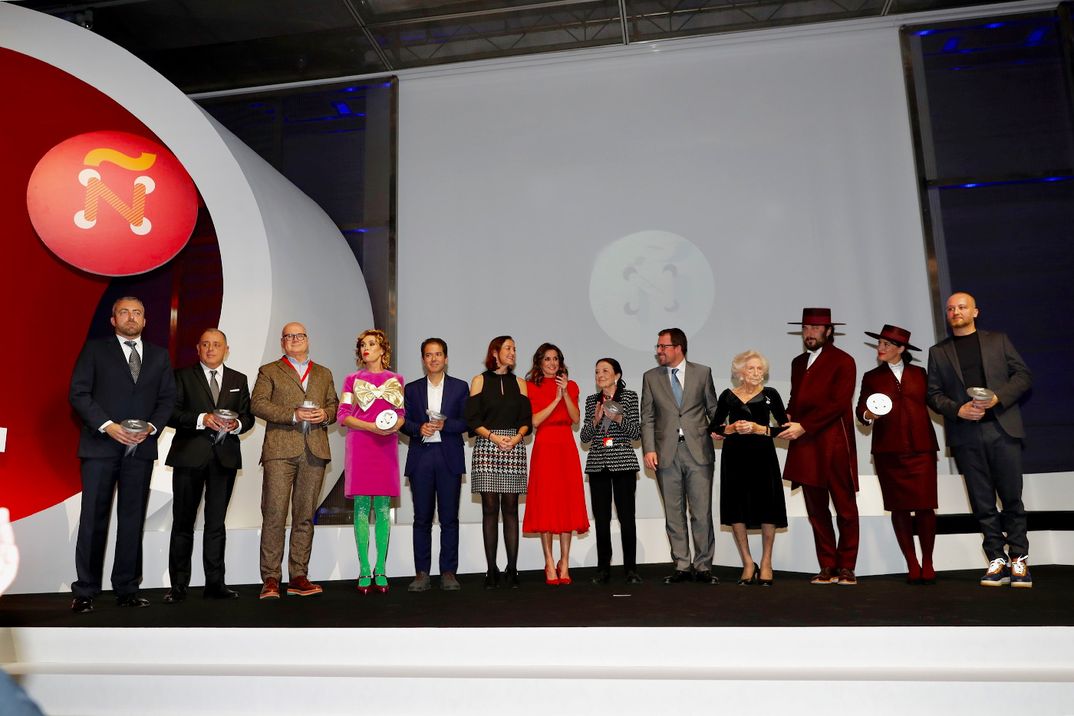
{"x": 234, "y": 390}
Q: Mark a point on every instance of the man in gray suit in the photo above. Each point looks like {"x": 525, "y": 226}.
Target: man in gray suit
{"x": 985, "y": 434}
{"x": 677, "y": 402}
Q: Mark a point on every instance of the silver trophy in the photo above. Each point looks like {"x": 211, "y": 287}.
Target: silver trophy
{"x": 983, "y": 395}
{"x": 225, "y": 415}
{"x": 612, "y": 408}
{"x": 434, "y": 415}
{"x": 307, "y": 405}
{"x": 133, "y": 427}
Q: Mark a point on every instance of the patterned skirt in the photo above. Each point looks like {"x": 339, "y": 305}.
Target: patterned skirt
{"x": 494, "y": 470}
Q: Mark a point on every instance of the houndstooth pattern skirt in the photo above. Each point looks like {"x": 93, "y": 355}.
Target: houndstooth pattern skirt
{"x": 493, "y": 470}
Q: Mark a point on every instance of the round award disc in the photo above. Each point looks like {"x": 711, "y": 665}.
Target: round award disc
{"x": 983, "y": 394}
{"x": 387, "y": 419}
{"x": 878, "y": 404}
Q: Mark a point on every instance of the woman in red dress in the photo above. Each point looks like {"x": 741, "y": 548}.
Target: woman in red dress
{"x": 904, "y": 447}
{"x": 555, "y": 503}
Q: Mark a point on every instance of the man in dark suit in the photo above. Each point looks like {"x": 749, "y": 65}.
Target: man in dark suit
{"x": 434, "y": 463}
{"x": 203, "y": 464}
{"x": 985, "y": 435}
{"x": 678, "y": 400}
{"x": 294, "y": 455}
{"x": 117, "y": 378}
{"x": 821, "y": 456}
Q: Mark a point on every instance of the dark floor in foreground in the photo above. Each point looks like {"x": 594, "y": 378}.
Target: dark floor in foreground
{"x": 956, "y": 600}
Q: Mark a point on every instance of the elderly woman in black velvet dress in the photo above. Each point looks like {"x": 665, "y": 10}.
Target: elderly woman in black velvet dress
{"x": 751, "y": 487}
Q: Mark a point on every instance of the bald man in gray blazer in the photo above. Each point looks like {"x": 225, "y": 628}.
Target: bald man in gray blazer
{"x": 677, "y": 401}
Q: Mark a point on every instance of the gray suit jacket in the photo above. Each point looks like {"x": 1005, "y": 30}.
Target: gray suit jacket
{"x": 1004, "y": 371}
{"x": 661, "y": 418}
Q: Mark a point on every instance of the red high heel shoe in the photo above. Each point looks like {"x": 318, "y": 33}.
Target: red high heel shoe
{"x": 928, "y": 574}
{"x": 552, "y": 581}
{"x": 382, "y": 588}
{"x": 560, "y": 569}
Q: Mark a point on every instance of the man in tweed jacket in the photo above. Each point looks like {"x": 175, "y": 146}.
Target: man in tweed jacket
{"x": 294, "y": 457}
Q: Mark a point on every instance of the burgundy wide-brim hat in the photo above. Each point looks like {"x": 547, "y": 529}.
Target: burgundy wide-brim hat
{"x": 816, "y": 317}
{"x": 897, "y": 335}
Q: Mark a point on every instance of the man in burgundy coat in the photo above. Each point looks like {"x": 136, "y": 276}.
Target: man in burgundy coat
{"x": 821, "y": 456}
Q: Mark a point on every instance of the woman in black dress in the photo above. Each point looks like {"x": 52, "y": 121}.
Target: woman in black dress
{"x": 751, "y": 487}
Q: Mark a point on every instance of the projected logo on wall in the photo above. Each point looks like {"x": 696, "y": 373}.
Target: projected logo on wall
{"x": 647, "y": 281}
{"x": 112, "y": 203}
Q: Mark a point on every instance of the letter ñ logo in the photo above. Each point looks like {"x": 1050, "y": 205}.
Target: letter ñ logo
{"x": 91, "y": 198}
{"x": 134, "y": 213}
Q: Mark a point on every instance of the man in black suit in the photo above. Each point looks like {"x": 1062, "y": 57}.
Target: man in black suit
{"x": 985, "y": 434}
{"x": 435, "y": 463}
{"x": 117, "y": 378}
{"x": 201, "y": 463}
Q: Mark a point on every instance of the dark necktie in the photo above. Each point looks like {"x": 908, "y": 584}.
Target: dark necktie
{"x": 135, "y": 361}
{"x": 676, "y": 388}
{"x": 214, "y": 387}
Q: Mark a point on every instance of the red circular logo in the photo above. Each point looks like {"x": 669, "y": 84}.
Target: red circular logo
{"x": 112, "y": 203}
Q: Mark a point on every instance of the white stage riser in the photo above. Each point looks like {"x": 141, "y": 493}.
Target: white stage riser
{"x": 877, "y": 671}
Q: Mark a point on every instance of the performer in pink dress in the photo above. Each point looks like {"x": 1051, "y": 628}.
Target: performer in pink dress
{"x": 372, "y": 460}
{"x": 556, "y": 500}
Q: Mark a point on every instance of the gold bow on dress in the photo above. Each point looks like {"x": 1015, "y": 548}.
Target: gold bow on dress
{"x": 365, "y": 393}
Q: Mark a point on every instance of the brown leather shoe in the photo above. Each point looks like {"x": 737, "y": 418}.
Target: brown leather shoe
{"x": 271, "y": 589}
{"x": 303, "y": 587}
{"x": 827, "y": 575}
{"x": 847, "y": 578}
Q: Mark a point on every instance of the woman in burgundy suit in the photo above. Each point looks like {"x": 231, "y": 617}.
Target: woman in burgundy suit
{"x": 904, "y": 447}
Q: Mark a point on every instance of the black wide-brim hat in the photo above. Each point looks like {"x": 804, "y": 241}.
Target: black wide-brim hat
{"x": 816, "y": 317}
{"x": 897, "y": 335}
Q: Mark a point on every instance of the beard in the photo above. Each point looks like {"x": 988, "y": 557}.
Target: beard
{"x": 813, "y": 344}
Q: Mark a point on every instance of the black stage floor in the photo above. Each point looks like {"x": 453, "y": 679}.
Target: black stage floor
{"x": 955, "y": 600}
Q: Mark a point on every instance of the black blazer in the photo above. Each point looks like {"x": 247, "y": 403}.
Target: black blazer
{"x": 102, "y": 389}
{"x": 192, "y": 447}
{"x": 453, "y": 405}
{"x": 1005, "y": 372}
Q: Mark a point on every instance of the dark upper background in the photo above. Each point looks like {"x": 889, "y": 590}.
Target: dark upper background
{"x": 208, "y": 45}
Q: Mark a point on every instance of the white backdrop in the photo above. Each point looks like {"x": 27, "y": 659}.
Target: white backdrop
{"x": 719, "y": 187}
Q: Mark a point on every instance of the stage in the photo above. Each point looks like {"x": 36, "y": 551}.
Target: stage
{"x": 882, "y": 647}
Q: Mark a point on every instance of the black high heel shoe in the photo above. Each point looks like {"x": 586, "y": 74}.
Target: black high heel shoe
{"x": 754, "y": 579}
{"x": 766, "y": 582}
{"x": 492, "y": 578}
{"x": 510, "y": 577}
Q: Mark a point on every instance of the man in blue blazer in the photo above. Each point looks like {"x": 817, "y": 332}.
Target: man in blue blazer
{"x": 434, "y": 462}
{"x": 985, "y": 435}
{"x": 117, "y": 378}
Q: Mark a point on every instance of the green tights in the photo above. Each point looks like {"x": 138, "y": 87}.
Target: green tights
{"x": 380, "y": 506}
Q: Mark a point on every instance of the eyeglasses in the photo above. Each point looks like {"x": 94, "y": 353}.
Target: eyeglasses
{"x": 294, "y": 337}
{"x": 665, "y": 346}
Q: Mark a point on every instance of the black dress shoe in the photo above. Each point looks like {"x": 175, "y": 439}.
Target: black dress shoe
{"x": 602, "y": 577}
{"x": 175, "y": 595}
{"x": 219, "y": 591}
{"x": 678, "y": 576}
{"x": 82, "y": 605}
{"x": 706, "y": 577}
{"x": 632, "y": 577}
{"x": 132, "y": 600}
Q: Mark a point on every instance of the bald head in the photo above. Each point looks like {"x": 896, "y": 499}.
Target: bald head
{"x": 294, "y": 341}
{"x": 962, "y": 313}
